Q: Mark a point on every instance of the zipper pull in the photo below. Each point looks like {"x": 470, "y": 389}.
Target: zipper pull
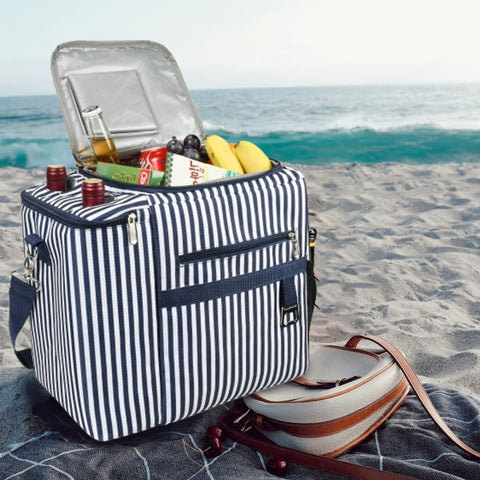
{"x": 294, "y": 241}
{"x": 132, "y": 229}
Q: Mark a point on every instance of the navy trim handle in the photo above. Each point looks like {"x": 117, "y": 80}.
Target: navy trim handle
{"x": 230, "y": 286}
{"x": 37, "y": 242}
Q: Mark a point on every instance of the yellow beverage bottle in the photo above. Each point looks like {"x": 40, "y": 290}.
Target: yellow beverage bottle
{"x": 102, "y": 142}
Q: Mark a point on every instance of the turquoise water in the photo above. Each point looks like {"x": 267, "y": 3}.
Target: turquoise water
{"x": 365, "y": 124}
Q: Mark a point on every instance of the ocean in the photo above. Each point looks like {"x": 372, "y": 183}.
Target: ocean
{"x": 306, "y": 125}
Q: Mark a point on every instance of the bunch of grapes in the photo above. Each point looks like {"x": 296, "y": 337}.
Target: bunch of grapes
{"x": 191, "y": 147}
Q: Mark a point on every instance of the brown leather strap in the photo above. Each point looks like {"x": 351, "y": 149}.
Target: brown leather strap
{"x": 416, "y": 385}
{"x": 261, "y": 444}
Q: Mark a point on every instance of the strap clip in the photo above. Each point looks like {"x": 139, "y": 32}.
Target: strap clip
{"x": 289, "y": 315}
{"x": 29, "y": 265}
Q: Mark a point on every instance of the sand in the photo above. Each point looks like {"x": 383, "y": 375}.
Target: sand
{"x": 398, "y": 252}
{"x": 398, "y": 256}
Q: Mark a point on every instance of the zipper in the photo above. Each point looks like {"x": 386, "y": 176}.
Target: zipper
{"x": 294, "y": 241}
{"x": 312, "y": 238}
{"x": 181, "y": 188}
{"x": 243, "y": 247}
{"x": 132, "y": 228}
{"x": 55, "y": 213}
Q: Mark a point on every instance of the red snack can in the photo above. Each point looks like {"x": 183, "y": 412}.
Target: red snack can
{"x": 56, "y": 178}
{"x": 154, "y": 158}
{"x": 93, "y": 192}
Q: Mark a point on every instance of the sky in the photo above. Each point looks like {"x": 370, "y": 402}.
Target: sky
{"x": 255, "y": 43}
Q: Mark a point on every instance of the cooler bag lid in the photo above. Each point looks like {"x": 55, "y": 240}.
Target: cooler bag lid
{"x": 139, "y": 86}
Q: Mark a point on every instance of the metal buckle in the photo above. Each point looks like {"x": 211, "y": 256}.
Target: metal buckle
{"x": 29, "y": 265}
{"x": 287, "y": 312}
{"x": 29, "y": 262}
{"x": 243, "y": 422}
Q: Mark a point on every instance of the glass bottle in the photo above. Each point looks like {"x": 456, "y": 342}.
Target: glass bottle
{"x": 56, "y": 176}
{"x": 102, "y": 142}
{"x": 93, "y": 192}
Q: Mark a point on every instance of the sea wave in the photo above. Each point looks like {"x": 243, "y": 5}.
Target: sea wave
{"x": 346, "y": 124}
{"x": 31, "y": 153}
{"x": 407, "y": 145}
{"x": 323, "y": 109}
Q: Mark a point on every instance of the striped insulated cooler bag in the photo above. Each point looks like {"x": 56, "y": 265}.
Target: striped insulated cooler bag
{"x": 163, "y": 301}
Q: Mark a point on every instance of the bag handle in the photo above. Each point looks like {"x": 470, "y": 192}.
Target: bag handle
{"x": 231, "y": 423}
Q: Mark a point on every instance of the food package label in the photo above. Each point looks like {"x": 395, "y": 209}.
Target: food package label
{"x": 181, "y": 170}
{"x": 126, "y": 174}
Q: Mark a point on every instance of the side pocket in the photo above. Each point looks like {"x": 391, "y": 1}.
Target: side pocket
{"x": 311, "y": 291}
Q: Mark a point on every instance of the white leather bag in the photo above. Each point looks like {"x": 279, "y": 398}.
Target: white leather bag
{"x": 343, "y": 397}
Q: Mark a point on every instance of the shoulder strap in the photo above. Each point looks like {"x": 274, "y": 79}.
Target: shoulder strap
{"x": 23, "y": 293}
{"x": 229, "y": 422}
{"x": 22, "y": 298}
{"x": 260, "y": 443}
{"x": 416, "y": 386}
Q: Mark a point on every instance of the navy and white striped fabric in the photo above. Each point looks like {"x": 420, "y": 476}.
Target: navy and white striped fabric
{"x": 128, "y": 336}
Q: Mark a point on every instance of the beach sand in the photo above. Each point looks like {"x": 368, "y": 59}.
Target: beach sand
{"x": 398, "y": 252}
{"x": 398, "y": 256}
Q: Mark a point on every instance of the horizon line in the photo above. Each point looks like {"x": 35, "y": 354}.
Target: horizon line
{"x": 279, "y": 87}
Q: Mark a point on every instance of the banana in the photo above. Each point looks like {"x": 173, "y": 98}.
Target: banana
{"x": 252, "y": 157}
{"x": 221, "y": 154}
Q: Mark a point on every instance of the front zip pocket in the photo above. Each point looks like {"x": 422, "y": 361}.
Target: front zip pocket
{"x": 242, "y": 247}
